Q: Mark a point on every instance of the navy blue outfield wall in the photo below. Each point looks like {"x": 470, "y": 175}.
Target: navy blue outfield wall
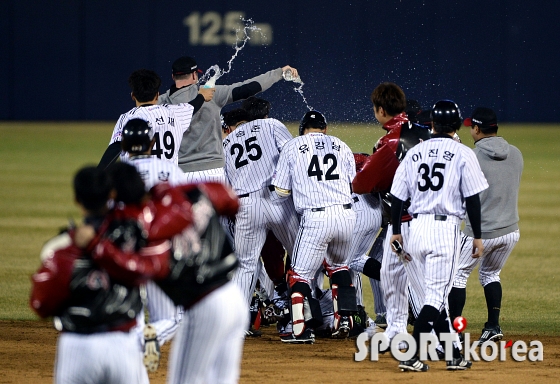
{"x": 70, "y": 59}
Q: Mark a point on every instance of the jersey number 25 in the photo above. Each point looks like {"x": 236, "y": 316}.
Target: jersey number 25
{"x": 250, "y": 145}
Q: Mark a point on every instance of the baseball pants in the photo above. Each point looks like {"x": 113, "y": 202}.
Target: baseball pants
{"x": 395, "y": 277}
{"x": 323, "y": 235}
{"x": 435, "y": 245}
{"x": 209, "y": 344}
{"x": 493, "y": 259}
{"x": 107, "y": 357}
{"x": 260, "y": 212}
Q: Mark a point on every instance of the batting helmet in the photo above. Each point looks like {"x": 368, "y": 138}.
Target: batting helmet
{"x": 137, "y": 136}
{"x": 312, "y": 119}
{"x": 446, "y": 116}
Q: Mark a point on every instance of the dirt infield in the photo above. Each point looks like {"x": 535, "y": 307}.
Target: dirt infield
{"x": 27, "y": 351}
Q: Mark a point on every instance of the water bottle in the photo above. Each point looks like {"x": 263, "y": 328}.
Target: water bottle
{"x": 289, "y": 76}
{"x": 211, "y": 83}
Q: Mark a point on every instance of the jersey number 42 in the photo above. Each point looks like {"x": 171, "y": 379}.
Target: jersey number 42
{"x": 314, "y": 169}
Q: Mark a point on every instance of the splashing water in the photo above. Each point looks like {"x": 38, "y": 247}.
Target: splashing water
{"x": 288, "y": 76}
{"x": 214, "y": 72}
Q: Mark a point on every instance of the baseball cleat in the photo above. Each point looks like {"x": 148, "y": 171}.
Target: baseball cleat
{"x": 307, "y": 337}
{"x": 152, "y": 352}
{"x": 252, "y": 332}
{"x": 381, "y": 321}
{"x": 458, "y": 364}
{"x": 491, "y": 334}
{"x": 414, "y": 365}
{"x": 343, "y": 328}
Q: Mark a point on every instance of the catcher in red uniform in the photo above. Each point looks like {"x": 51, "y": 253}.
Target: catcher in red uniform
{"x": 389, "y": 104}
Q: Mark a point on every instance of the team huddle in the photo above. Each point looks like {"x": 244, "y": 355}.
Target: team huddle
{"x": 200, "y": 225}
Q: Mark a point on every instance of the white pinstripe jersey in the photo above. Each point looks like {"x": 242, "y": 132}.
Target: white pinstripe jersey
{"x": 154, "y": 171}
{"x": 438, "y": 174}
{"x": 251, "y": 153}
{"x": 169, "y": 122}
{"x": 318, "y": 168}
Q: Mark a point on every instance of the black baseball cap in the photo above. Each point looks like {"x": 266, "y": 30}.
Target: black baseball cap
{"x": 483, "y": 117}
{"x": 185, "y": 65}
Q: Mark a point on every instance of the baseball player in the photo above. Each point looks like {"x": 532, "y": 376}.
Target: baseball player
{"x": 82, "y": 294}
{"x": 169, "y": 122}
{"x": 442, "y": 178}
{"x": 318, "y": 169}
{"x": 137, "y": 141}
{"x": 201, "y": 154}
{"x": 389, "y": 103}
{"x": 207, "y": 347}
{"x": 502, "y": 164}
{"x": 269, "y": 305}
{"x": 251, "y": 153}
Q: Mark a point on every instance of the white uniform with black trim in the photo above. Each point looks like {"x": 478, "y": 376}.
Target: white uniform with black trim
{"x": 169, "y": 122}
{"x": 251, "y": 154}
{"x": 437, "y": 175}
{"x": 164, "y": 315}
{"x": 319, "y": 170}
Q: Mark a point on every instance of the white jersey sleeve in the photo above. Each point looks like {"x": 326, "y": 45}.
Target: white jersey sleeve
{"x": 282, "y": 177}
{"x": 281, "y": 134}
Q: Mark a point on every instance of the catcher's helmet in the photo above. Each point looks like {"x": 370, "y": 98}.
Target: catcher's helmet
{"x": 137, "y": 136}
{"x": 312, "y": 119}
{"x": 446, "y": 116}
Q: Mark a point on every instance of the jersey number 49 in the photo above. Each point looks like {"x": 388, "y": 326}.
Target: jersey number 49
{"x": 168, "y": 143}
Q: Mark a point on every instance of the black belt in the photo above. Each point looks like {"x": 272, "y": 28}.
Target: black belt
{"x": 436, "y": 217}
{"x": 321, "y": 209}
{"x": 270, "y": 188}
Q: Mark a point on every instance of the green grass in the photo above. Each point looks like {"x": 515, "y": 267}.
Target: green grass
{"x": 39, "y": 161}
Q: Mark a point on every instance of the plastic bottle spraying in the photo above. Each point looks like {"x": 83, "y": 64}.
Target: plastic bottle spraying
{"x": 289, "y": 76}
{"x": 211, "y": 83}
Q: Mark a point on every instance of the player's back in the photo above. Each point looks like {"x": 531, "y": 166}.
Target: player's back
{"x": 169, "y": 122}
{"x": 251, "y": 153}
{"x": 154, "y": 171}
{"x": 440, "y": 173}
{"x": 323, "y": 168}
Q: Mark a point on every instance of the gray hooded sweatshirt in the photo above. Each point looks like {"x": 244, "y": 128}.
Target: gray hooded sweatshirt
{"x": 201, "y": 147}
{"x": 502, "y": 164}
